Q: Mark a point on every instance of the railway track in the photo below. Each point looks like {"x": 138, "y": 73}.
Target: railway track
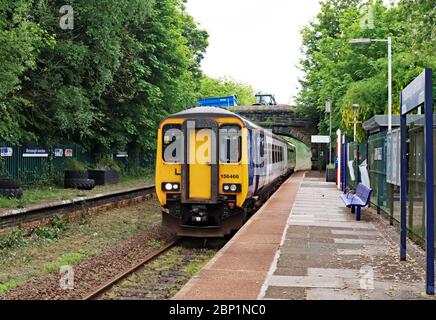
{"x": 34, "y": 213}
{"x": 150, "y": 257}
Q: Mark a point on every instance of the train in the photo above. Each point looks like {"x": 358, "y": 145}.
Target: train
{"x": 214, "y": 169}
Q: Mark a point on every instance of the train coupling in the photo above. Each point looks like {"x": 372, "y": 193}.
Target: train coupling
{"x": 199, "y": 213}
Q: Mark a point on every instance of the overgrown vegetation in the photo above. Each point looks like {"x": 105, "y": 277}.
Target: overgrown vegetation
{"x": 74, "y": 165}
{"x": 358, "y": 74}
{"x": 20, "y": 237}
{"x": 53, "y": 193}
{"x": 29, "y": 256}
{"x": 106, "y": 83}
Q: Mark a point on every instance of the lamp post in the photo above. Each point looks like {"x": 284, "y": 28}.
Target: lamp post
{"x": 355, "y": 108}
{"x": 389, "y": 42}
{"x": 329, "y": 109}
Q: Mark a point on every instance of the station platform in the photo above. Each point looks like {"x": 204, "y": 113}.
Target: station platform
{"x": 304, "y": 244}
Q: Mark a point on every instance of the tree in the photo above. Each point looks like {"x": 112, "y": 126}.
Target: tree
{"x": 211, "y": 87}
{"x": 105, "y": 84}
{"x": 358, "y": 74}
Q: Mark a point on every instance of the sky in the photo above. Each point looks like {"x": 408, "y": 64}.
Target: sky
{"x": 256, "y": 42}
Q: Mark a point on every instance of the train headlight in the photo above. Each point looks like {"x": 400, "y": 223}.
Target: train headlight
{"x": 170, "y": 186}
{"x": 233, "y": 187}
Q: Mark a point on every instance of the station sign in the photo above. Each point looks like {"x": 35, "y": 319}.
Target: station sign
{"x": 35, "y": 153}
{"x": 6, "y": 152}
{"x": 414, "y": 94}
{"x": 68, "y": 153}
{"x": 320, "y": 139}
{"x": 122, "y": 155}
{"x": 58, "y": 152}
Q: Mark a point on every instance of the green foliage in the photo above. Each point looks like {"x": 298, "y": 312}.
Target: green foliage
{"x": 224, "y": 87}
{"x": 52, "y": 231}
{"x": 70, "y": 259}
{"x": 107, "y": 83}
{"x": 74, "y": 165}
{"x": 16, "y": 238}
{"x": 107, "y": 164}
{"x": 358, "y": 74}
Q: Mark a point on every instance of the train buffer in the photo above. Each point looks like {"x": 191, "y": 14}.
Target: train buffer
{"x": 357, "y": 199}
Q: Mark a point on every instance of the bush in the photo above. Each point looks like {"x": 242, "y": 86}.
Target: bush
{"x": 75, "y": 165}
{"x": 331, "y": 166}
{"x": 16, "y": 239}
{"x": 107, "y": 165}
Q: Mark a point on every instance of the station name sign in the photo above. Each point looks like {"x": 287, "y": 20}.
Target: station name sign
{"x": 414, "y": 94}
{"x": 320, "y": 139}
{"x": 35, "y": 153}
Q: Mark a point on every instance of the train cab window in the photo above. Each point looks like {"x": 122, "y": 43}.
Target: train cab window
{"x": 230, "y": 144}
{"x": 172, "y": 143}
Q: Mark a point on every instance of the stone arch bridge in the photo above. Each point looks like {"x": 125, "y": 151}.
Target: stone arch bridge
{"x": 282, "y": 119}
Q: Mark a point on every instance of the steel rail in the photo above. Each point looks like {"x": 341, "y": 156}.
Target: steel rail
{"x": 150, "y": 257}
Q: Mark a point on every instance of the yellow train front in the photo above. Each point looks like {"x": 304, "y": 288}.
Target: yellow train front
{"x": 214, "y": 168}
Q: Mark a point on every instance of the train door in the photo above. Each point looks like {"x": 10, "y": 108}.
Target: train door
{"x": 200, "y": 172}
{"x": 259, "y": 150}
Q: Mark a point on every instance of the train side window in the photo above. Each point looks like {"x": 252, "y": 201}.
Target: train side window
{"x": 273, "y": 153}
{"x": 172, "y": 143}
{"x": 262, "y": 145}
{"x": 230, "y": 144}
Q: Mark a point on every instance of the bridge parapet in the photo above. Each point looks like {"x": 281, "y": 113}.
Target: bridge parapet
{"x": 282, "y": 119}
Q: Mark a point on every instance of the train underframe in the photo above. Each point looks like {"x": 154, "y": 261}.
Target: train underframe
{"x": 204, "y": 220}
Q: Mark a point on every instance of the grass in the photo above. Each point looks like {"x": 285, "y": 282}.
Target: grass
{"x": 70, "y": 259}
{"x": 155, "y": 244}
{"x": 10, "y": 284}
{"x": 26, "y": 254}
{"x": 38, "y": 194}
{"x": 165, "y": 276}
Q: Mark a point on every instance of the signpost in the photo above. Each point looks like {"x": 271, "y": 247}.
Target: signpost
{"x": 58, "y": 152}
{"x": 68, "y": 153}
{"x": 419, "y": 93}
{"x": 35, "y": 153}
{"x": 339, "y": 158}
{"x": 6, "y": 152}
{"x": 321, "y": 139}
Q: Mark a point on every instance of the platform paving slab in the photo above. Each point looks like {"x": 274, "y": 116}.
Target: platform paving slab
{"x": 239, "y": 269}
{"x": 336, "y": 257}
{"x": 304, "y": 244}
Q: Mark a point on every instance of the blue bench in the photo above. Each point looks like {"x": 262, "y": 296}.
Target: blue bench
{"x": 358, "y": 199}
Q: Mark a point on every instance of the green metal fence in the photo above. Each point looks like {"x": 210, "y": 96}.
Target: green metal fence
{"x": 377, "y": 149}
{"x": 39, "y": 167}
{"x": 386, "y": 196}
{"x": 49, "y": 165}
